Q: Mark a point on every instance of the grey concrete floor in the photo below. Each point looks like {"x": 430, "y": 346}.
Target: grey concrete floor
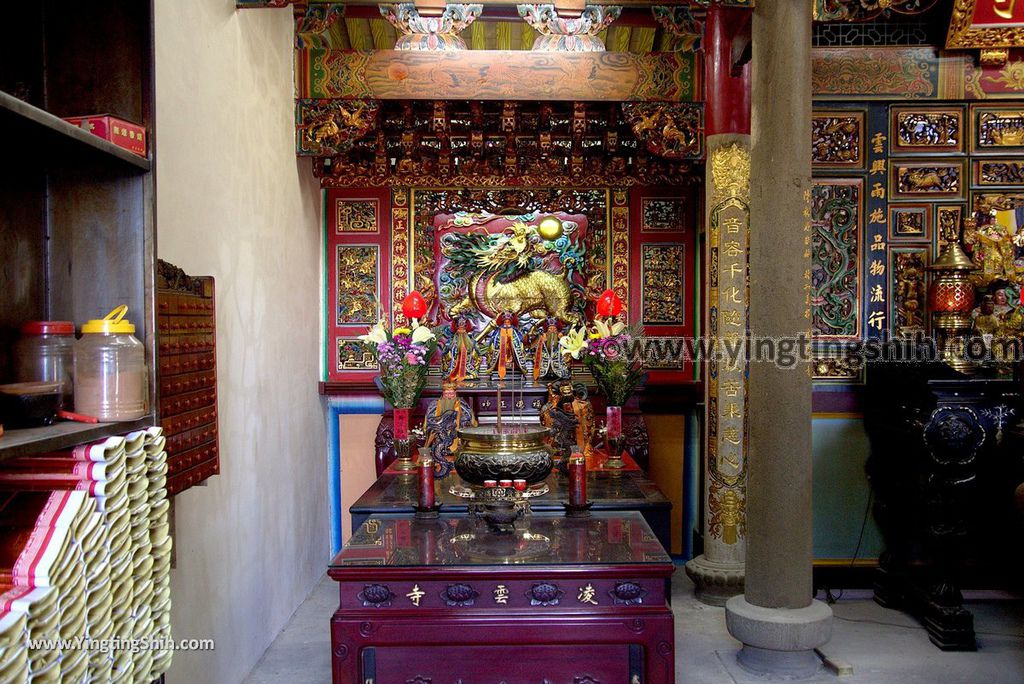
{"x": 882, "y": 646}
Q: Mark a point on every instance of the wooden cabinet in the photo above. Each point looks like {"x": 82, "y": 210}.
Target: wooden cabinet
{"x": 76, "y": 211}
{"x": 187, "y": 370}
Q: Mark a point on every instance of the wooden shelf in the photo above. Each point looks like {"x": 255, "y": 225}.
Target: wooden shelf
{"x": 16, "y": 116}
{"x": 63, "y": 435}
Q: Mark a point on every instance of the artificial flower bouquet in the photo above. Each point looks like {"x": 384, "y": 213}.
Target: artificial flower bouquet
{"x": 613, "y": 353}
{"x": 403, "y": 356}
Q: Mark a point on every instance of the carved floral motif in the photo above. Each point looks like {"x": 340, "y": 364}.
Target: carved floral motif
{"x": 559, "y": 34}
{"x": 663, "y": 283}
{"x": 358, "y": 275}
{"x": 430, "y": 33}
{"x": 835, "y": 213}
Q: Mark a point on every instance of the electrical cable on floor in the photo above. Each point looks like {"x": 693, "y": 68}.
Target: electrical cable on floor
{"x": 921, "y": 627}
{"x": 829, "y": 597}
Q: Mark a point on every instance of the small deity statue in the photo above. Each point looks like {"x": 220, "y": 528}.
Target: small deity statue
{"x": 1001, "y": 303}
{"x": 548, "y": 362}
{"x": 444, "y": 416}
{"x": 986, "y": 322}
{"x": 505, "y": 348}
{"x": 564, "y": 426}
{"x": 461, "y": 356}
{"x": 993, "y": 250}
{"x": 573, "y": 399}
{"x": 551, "y": 405}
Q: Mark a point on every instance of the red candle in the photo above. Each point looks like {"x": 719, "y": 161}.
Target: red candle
{"x": 401, "y": 417}
{"x": 520, "y": 485}
{"x": 577, "y": 479}
{"x": 426, "y": 483}
{"x": 613, "y": 421}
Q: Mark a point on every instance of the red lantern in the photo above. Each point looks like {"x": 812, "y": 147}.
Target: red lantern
{"x": 413, "y": 306}
{"x": 609, "y": 304}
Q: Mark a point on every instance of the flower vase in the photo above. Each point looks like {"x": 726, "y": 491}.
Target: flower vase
{"x": 614, "y": 439}
{"x": 403, "y": 442}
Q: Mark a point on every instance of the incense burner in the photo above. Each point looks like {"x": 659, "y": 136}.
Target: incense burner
{"x": 517, "y": 454}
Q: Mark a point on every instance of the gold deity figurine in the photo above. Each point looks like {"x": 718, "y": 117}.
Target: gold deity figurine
{"x": 440, "y": 424}
{"x": 986, "y": 322}
{"x": 575, "y": 398}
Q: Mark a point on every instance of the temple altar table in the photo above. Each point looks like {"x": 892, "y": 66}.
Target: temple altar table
{"x": 559, "y": 599}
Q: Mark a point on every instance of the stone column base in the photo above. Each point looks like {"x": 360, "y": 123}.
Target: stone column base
{"x": 779, "y": 641}
{"x": 714, "y": 582}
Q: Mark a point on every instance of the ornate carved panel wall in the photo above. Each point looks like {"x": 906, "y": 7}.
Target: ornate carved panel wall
{"x": 924, "y": 165}
{"x": 383, "y": 242}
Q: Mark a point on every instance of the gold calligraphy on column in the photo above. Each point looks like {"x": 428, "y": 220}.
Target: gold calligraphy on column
{"x": 728, "y": 299}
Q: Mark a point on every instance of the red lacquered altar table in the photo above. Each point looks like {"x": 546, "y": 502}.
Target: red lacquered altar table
{"x": 561, "y": 601}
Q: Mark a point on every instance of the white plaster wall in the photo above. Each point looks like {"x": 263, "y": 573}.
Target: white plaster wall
{"x": 233, "y": 202}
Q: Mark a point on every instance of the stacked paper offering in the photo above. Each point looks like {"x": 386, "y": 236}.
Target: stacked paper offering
{"x": 160, "y": 539}
{"x": 42, "y": 614}
{"x": 13, "y": 649}
{"x": 85, "y": 554}
{"x": 38, "y": 549}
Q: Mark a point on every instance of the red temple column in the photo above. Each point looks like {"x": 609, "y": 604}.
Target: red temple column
{"x": 718, "y": 573}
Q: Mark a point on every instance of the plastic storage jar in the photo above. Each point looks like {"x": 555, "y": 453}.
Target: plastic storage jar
{"x": 110, "y": 369}
{"x": 46, "y": 353}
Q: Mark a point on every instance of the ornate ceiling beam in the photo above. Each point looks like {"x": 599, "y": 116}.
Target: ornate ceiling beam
{"x": 498, "y": 75}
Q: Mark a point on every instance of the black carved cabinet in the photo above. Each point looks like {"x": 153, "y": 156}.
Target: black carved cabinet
{"x": 944, "y": 463}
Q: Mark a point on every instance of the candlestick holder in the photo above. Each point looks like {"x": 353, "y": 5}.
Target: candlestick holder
{"x": 404, "y": 463}
{"x": 578, "y": 510}
{"x": 616, "y": 445}
{"x": 426, "y": 503}
{"x": 428, "y": 513}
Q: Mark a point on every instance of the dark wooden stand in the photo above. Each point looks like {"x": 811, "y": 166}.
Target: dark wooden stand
{"x": 592, "y": 607}
{"x": 942, "y": 470}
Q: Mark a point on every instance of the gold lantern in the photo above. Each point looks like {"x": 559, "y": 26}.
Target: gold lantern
{"x": 952, "y": 298}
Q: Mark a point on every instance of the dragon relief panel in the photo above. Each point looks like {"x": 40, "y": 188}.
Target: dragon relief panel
{"x": 998, "y": 172}
{"x": 427, "y": 204}
{"x": 835, "y": 274}
{"x": 494, "y": 264}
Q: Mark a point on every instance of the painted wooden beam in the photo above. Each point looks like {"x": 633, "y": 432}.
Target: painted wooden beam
{"x": 498, "y": 75}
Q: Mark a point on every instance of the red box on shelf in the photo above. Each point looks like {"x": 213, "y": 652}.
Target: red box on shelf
{"x": 130, "y": 136}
